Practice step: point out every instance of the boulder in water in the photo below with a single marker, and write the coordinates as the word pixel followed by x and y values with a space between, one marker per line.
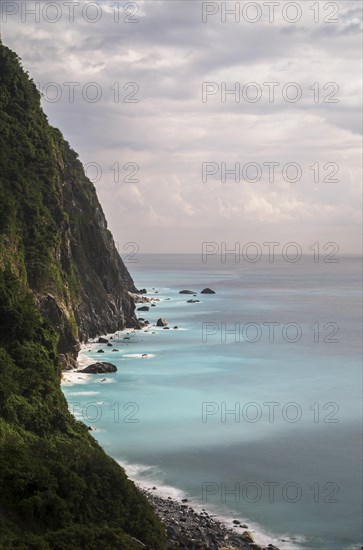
pixel 99 368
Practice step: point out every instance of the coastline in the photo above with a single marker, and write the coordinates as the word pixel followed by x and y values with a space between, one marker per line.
pixel 188 523
pixel 73 377
pixel 188 528
pixel 273 532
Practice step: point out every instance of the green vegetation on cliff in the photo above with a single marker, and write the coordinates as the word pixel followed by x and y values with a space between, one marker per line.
pixel 53 233
pixel 58 489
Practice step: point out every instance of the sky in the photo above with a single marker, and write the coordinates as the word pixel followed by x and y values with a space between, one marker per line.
pixel 200 124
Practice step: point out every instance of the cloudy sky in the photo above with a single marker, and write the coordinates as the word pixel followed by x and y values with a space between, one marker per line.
pixel 167 98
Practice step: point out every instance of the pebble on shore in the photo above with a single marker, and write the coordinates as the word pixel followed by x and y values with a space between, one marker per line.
pixel 192 530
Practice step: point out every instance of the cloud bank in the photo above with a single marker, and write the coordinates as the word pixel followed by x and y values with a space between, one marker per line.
pixel 198 124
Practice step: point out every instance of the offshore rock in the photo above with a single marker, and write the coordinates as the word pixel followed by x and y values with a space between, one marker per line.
pixel 99 368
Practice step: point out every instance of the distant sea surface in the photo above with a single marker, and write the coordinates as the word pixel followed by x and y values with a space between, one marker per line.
pixel 262 423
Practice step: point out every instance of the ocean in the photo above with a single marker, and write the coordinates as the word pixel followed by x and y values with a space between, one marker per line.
pixel 252 407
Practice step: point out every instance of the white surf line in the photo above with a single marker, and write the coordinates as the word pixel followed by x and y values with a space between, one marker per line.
pixel 159 488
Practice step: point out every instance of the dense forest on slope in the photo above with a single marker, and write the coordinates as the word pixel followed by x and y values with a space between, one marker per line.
pixel 61 280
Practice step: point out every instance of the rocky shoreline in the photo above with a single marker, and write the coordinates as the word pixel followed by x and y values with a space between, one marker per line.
pixel 191 530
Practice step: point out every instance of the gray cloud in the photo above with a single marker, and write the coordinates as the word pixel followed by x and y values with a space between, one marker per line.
pixel 170 132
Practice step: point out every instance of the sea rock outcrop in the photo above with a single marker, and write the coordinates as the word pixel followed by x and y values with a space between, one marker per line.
pixel 99 368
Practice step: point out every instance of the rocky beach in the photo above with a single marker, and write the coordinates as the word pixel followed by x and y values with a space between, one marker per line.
pixel 189 529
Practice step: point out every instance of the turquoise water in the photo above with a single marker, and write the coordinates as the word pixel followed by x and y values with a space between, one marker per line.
pixel 254 425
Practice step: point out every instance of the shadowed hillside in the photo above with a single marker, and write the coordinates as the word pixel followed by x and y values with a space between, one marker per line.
pixel 61 280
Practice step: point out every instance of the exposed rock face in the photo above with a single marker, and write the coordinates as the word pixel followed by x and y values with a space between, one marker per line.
pixel 187 292
pixel 104 303
pixel 161 322
pixel 208 291
pixel 68 344
pixel 99 368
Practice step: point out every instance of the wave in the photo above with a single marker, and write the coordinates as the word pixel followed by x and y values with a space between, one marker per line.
pixel 151 478
pixel 75 393
pixel 140 355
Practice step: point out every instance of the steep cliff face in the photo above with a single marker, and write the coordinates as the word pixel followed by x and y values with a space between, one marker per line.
pixel 61 280
pixel 103 302
pixel 53 230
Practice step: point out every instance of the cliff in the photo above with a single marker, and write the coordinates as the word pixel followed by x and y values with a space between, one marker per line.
pixel 53 232
pixel 61 281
